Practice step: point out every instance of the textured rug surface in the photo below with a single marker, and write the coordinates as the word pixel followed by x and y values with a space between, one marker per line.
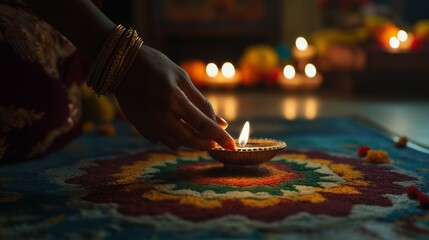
pixel 123 187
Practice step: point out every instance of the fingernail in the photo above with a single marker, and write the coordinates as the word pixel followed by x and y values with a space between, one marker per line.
pixel 221 121
pixel 230 146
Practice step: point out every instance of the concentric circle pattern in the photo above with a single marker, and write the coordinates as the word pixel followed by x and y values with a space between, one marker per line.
pixel 193 187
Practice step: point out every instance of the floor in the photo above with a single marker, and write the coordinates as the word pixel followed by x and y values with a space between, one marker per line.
pixel 401 116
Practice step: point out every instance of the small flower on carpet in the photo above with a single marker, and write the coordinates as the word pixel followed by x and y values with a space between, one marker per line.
pixel 363 151
pixel 401 142
pixel 423 200
pixel 413 192
pixel 376 156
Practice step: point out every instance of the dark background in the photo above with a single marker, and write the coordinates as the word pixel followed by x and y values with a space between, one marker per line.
pixel 226 39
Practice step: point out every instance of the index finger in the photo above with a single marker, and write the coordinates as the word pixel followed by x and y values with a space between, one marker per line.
pixel 198 99
pixel 203 124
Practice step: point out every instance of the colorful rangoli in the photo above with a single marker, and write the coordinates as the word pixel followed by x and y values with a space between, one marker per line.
pixel 191 187
pixel 123 187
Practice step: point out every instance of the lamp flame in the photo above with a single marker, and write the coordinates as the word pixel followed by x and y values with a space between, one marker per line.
pixel 289 72
pixel 244 135
pixel 301 43
pixel 310 70
pixel 228 70
pixel 394 42
pixel 402 35
pixel 212 70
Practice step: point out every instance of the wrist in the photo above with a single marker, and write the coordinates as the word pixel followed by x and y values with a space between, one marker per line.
pixel 114 60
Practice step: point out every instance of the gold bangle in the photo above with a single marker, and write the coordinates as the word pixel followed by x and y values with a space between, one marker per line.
pixel 127 60
pixel 127 66
pixel 114 60
pixel 104 54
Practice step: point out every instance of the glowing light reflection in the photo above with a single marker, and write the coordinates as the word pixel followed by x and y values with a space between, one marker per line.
pixel 290 108
pixel 310 108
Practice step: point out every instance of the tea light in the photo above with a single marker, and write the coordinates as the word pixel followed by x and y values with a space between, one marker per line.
pixel 290 79
pixel 249 153
pixel 405 40
pixel 302 51
pixel 312 78
pixel 394 44
pixel 227 78
pixel 402 35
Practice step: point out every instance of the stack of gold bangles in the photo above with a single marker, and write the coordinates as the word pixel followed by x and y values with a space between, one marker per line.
pixel 114 60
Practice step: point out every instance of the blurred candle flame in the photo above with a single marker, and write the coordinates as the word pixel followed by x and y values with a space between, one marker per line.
pixel 301 43
pixel 244 135
pixel 289 72
pixel 212 70
pixel 228 70
pixel 394 42
pixel 402 36
pixel 310 70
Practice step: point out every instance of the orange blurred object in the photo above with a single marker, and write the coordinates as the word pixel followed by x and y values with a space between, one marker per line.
pixel 386 33
pixel 196 70
pixel 421 29
pixel 250 74
pixel 376 156
pixel 381 29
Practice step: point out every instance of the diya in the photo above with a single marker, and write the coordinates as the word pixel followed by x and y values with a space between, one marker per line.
pixel 249 153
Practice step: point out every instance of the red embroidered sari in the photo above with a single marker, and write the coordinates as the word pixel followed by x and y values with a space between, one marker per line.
pixel 41 73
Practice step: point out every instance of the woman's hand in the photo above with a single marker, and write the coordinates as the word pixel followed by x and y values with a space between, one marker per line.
pixel 156 95
pixel 159 99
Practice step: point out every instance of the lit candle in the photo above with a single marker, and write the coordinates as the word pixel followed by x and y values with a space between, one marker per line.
pixel 402 35
pixel 228 70
pixel 290 79
pixel 405 39
pixel 301 44
pixel 302 51
pixel 250 151
pixel 312 78
pixel 310 70
pixel 212 70
pixel 394 43
pixel 289 72
pixel 244 135
pixel 228 77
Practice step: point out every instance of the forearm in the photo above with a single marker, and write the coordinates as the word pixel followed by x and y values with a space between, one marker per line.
pixel 78 20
